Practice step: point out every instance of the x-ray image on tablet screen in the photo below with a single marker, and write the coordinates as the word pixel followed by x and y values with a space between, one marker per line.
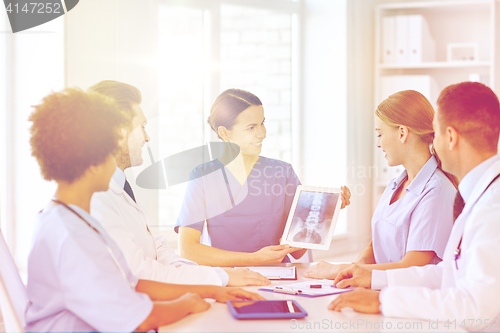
pixel 312 218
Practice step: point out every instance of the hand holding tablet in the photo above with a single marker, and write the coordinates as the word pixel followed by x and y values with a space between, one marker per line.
pixel 312 218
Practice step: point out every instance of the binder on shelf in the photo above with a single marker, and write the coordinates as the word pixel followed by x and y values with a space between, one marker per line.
pixel 482 78
pixel 422 47
pixel 402 44
pixel 407 39
pixel 389 40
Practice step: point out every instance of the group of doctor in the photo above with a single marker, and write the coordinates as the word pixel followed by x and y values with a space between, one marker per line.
pixel 93 252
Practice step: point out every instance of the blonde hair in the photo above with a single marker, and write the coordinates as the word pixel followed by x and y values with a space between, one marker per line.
pixel 411 109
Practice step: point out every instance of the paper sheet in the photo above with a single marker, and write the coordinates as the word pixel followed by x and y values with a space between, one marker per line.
pixel 275 273
pixel 308 288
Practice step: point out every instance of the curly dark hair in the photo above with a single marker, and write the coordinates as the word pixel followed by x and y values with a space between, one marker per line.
pixel 73 130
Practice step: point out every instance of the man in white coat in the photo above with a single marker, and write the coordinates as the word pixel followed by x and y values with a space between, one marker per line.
pixel 149 256
pixel 463 291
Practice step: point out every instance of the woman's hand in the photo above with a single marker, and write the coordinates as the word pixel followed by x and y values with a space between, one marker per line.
pixel 223 294
pixel 345 195
pixel 194 303
pixel 245 277
pixel 324 270
pixel 273 254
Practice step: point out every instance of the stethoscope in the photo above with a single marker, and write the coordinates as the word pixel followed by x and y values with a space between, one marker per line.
pixel 458 250
pixel 115 260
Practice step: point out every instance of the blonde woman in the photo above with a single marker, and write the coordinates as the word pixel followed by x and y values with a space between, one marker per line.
pixel 414 217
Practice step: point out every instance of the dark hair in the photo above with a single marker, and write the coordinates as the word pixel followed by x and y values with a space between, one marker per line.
pixel 412 109
pixel 124 94
pixel 73 130
pixel 474 111
pixel 228 106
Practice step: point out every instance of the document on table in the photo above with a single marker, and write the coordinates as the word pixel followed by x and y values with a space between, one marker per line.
pixel 312 288
pixel 276 273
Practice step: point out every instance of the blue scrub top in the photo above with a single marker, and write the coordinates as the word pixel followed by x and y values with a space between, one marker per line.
pixel 243 218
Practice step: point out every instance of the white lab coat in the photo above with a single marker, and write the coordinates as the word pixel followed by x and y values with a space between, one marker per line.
pixel 126 221
pixel 74 285
pixel 471 292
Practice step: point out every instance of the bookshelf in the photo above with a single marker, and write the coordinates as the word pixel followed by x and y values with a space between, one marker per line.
pixel 457 21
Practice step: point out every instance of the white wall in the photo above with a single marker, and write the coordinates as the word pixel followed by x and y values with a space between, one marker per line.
pixel 34 67
pixel 324 103
pixel 117 40
pixel 324 88
pixel 360 66
pixel 358 123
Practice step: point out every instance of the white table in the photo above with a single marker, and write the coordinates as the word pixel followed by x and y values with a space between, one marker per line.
pixel 319 318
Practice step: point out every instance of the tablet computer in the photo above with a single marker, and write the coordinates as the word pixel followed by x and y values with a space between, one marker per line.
pixel 312 218
pixel 266 309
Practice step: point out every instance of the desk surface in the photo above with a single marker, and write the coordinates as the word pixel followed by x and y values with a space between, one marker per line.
pixel 319 318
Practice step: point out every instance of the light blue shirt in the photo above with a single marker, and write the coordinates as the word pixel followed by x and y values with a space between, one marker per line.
pixel 419 221
pixel 73 282
pixel 119 177
pixel 471 179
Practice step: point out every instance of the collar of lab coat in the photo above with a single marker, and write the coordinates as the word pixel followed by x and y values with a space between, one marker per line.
pixel 117 188
pixel 476 175
pixel 480 184
pixel 119 177
pixel 418 184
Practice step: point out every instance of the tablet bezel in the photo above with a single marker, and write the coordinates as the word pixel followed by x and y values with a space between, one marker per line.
pixel 265 315
pixel 329 237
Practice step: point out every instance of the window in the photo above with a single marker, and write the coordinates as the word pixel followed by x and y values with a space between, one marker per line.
pixel 205 50
pixel 182 74
pixel 3 124
pixel 32 66
pixel 291 54
pixel 256 55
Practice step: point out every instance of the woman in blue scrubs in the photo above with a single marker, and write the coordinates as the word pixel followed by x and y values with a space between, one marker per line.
pixel 246 202
pixel 413 219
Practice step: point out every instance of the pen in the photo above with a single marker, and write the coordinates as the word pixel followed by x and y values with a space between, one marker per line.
pixel 285 291
pixel 317 286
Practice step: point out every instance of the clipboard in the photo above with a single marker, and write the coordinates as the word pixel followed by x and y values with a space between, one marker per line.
pixel 276 272
pixel 313 288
